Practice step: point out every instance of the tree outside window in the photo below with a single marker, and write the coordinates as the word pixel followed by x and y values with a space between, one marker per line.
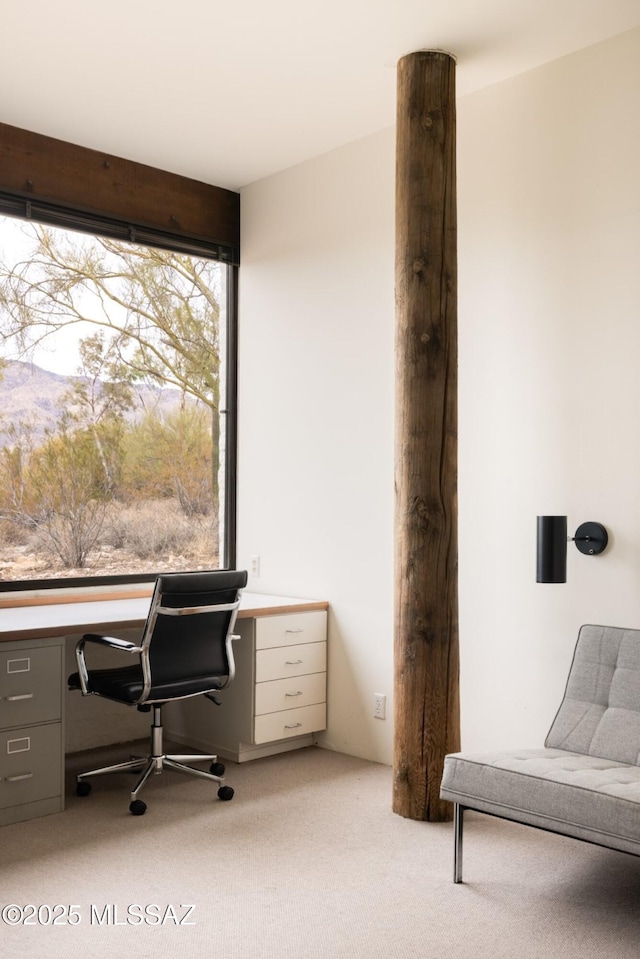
pixel 110 383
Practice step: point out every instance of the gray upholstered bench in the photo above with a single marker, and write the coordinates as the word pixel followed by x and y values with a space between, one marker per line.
pixel 585 782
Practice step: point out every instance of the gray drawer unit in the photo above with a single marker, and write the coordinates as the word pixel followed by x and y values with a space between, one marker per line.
pixel 30 767
pixel 30 686
pixel 31 729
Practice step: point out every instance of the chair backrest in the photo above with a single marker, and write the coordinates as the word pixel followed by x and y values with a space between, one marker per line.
pixel 600 713
pixel 188 630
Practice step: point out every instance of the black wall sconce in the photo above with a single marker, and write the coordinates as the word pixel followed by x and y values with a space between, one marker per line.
pixel 590 538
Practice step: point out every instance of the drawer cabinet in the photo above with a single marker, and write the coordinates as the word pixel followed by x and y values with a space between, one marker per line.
pixel 279 694
pixel 290 676
pixel 31 740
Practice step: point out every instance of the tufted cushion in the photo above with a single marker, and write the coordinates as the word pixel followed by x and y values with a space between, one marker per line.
pixel 581 796
pixel 600 712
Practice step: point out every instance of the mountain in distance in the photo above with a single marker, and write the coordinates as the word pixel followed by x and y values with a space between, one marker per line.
pixel 36 396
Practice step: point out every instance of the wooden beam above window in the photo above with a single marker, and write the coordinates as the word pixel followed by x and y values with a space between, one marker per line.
pixel 43 169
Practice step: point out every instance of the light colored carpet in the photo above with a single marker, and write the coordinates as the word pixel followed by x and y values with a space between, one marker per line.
pixel 306 862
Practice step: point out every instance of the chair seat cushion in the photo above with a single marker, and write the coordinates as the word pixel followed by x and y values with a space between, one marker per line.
pixel 586 797
pixel 125 685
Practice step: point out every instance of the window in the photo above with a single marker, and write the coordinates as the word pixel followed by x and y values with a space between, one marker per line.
pixel 117 377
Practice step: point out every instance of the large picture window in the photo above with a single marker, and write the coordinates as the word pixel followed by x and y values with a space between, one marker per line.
pixel 114 407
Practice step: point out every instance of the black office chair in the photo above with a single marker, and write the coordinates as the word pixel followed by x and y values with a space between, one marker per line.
pixel 185 651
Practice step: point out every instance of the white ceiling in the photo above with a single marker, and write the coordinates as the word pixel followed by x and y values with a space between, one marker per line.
pixel 230 92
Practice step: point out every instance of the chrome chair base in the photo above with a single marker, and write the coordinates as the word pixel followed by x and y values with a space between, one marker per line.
pixel 154 764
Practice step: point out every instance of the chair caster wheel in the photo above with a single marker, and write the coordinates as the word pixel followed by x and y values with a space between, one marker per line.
pixel 217 769
pixel 83 788
pixel 225 793
pixel 137 807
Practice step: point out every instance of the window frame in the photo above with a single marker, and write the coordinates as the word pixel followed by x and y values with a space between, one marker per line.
pixel 49 181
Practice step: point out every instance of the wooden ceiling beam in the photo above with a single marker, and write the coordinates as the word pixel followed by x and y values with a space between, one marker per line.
pixel 42 168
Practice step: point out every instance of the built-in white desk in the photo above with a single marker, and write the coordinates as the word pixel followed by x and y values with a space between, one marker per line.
pixel 65 618
pixel 276 702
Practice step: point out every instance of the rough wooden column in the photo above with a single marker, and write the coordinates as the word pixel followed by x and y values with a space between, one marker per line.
pixel 427 723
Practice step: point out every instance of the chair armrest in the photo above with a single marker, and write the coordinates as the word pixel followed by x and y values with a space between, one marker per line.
pixel 112 641
pixel 123 645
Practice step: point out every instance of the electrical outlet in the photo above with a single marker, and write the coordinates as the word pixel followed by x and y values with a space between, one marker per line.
pixel 379 706
pixel 255 565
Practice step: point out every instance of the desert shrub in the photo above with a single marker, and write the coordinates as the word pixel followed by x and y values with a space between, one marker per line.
pixel 159 530
pixel 13 534
pixel 56 492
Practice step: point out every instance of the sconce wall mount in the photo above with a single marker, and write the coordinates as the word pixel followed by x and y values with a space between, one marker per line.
pixel 591 538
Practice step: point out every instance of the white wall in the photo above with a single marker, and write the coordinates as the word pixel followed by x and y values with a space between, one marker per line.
pixel 549 253
pixel 316 413
pixel 549 263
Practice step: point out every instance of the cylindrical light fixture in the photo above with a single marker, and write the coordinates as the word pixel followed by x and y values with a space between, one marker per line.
pixel 552 549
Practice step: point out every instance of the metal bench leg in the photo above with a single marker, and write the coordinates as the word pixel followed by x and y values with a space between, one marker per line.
pixel 458 821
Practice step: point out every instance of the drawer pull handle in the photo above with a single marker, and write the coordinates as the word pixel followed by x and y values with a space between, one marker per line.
pixel 292 725
pixel 293 662
pixel 299 629
pixel 299 693
pixel 17 779
pixel 14 699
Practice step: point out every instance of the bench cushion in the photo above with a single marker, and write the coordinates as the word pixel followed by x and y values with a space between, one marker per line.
pixel 587 797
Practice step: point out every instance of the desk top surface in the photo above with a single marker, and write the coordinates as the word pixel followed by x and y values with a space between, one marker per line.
pixel 61 619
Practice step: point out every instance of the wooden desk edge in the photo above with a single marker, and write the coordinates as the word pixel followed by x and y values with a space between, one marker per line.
pixel 75 629
pixel 304 606
pixel 69 599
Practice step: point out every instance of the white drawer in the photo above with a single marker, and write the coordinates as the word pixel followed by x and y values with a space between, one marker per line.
pixel 290 693
pixel 286 661
pixel 291 629
pixel 290 722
